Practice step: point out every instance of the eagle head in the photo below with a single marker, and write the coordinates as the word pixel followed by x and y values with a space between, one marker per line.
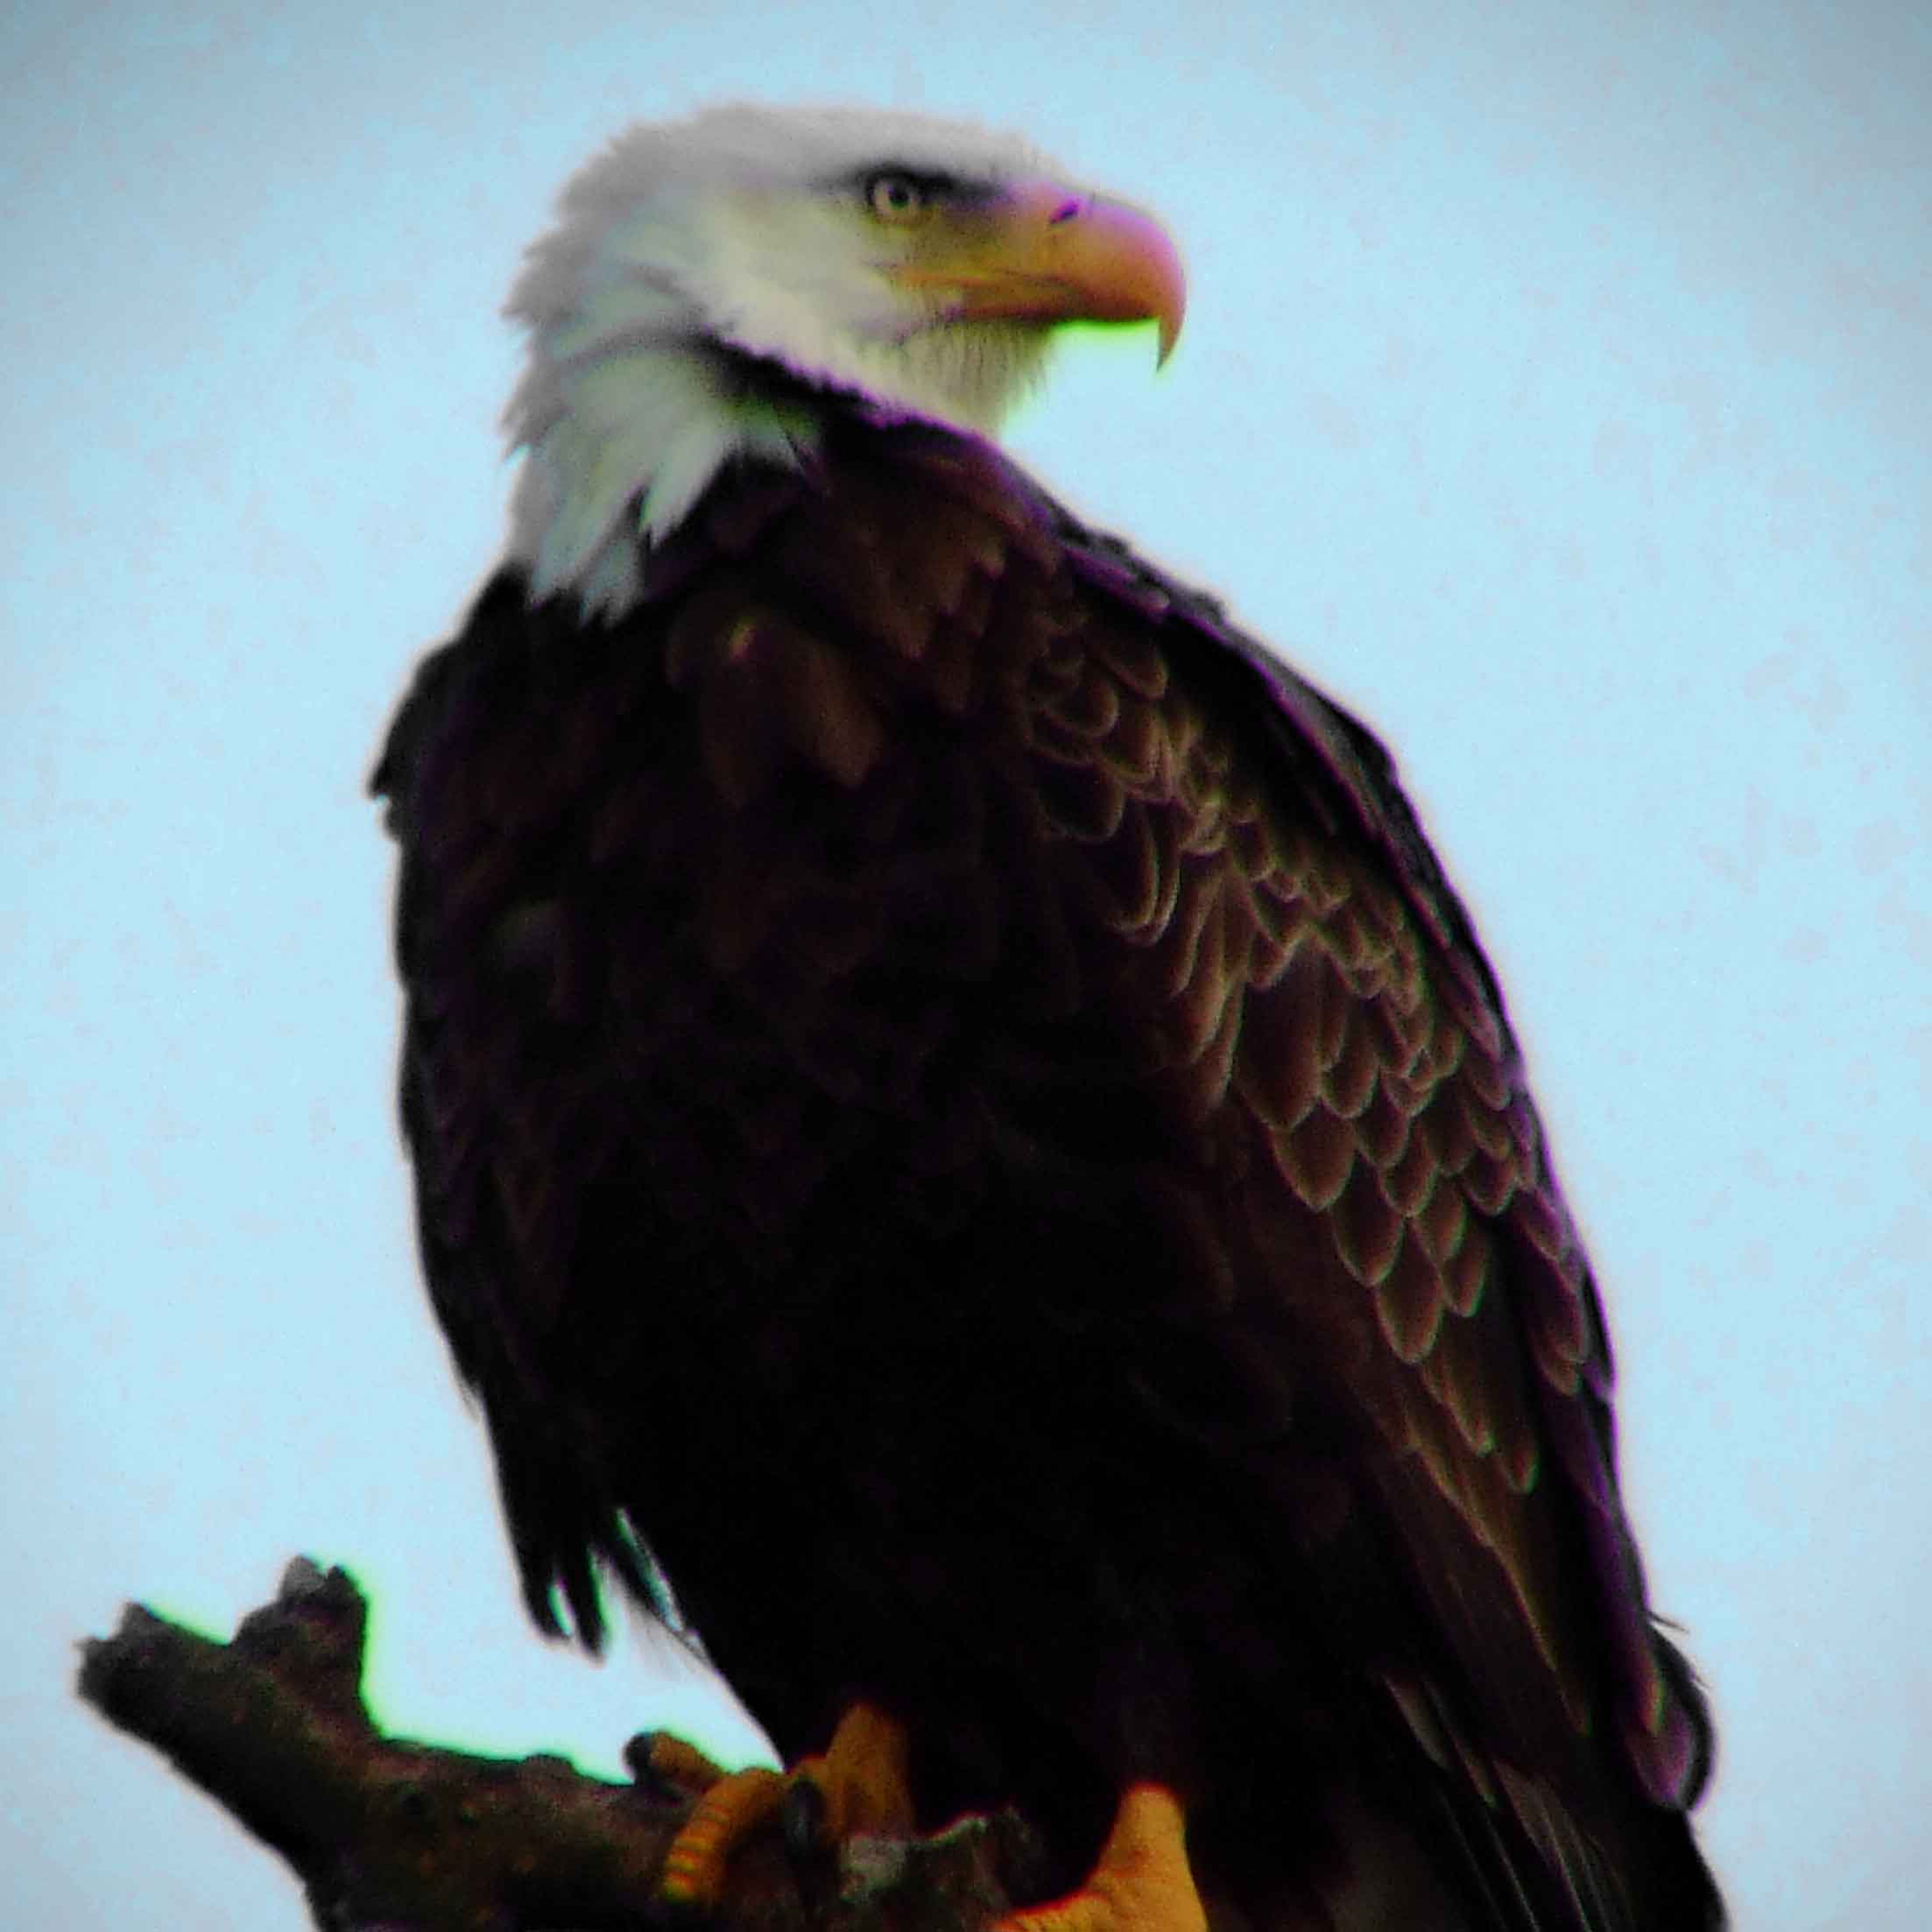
pixel 713 285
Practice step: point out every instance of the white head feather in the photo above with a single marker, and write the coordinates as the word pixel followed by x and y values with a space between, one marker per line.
pixel 681 251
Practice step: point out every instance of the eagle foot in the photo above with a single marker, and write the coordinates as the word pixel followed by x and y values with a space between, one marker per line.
pixel 1141 1882
pixel 670 1767
pixel 857 1785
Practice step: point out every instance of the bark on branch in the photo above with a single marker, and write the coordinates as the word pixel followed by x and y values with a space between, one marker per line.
pixel 389 1834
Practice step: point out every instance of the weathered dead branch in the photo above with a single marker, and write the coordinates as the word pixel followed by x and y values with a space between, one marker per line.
pixel 386 1833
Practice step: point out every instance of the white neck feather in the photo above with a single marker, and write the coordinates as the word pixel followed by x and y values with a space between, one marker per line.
pixel 620 446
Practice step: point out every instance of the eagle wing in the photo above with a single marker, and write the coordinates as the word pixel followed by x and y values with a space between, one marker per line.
pixel 1328 985
pixel 1409 1243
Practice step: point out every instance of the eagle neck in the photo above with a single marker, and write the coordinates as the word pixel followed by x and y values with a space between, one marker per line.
pixel 620 444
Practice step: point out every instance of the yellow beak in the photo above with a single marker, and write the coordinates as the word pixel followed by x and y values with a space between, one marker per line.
pixel 1044 254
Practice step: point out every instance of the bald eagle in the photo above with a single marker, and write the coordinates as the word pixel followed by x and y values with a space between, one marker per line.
pixel 958 1120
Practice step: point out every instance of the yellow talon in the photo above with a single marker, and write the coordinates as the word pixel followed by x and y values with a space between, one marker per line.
pixel 675 1761
pixel 860 1779
pixel 1141 1881
pixel 863 1778
pixel 723 1818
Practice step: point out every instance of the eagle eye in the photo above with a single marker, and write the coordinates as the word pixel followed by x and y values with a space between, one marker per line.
pixel 894 195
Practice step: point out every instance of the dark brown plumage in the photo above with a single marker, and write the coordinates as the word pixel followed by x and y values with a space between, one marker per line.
pixel 953 1104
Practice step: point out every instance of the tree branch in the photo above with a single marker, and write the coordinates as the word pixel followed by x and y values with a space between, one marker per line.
pixel 392 1835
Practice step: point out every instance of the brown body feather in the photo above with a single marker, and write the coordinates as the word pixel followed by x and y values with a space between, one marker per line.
pixel 952 1102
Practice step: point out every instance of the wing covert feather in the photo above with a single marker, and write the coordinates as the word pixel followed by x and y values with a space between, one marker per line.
pixel 1373 1059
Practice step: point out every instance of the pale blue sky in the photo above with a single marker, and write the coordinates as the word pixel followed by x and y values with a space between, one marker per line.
pixel 1556 388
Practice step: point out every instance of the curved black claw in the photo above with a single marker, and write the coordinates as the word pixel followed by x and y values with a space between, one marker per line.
pixel 666 1766
pixel 803 1818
